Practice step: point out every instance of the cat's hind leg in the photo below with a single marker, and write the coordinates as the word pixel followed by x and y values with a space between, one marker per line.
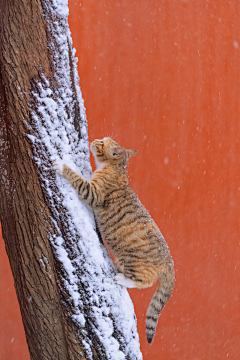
pixel 128 283
pixel 122 280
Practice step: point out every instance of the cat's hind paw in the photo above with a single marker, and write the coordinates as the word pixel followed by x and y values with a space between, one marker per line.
pixel 122 280
pixel 58 167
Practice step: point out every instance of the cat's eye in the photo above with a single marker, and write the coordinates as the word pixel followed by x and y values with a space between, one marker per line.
pixel 101 141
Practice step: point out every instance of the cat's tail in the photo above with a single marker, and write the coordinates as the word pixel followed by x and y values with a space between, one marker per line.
pixel 159 300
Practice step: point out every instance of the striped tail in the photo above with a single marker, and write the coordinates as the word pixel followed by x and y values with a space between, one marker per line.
pixel 159 300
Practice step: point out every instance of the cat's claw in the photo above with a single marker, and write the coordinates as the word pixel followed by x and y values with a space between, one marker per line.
pixel 58 167
pixel 122 280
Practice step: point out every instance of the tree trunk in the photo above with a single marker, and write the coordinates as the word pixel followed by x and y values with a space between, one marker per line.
pixel 70 306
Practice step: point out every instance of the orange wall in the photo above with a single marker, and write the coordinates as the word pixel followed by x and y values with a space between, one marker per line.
pixel 163 76
pixel 13 344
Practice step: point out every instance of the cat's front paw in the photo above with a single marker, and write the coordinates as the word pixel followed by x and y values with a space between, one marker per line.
pixel 122 280
pixel 58 167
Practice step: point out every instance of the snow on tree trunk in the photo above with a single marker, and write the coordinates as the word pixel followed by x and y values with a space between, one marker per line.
pixel 70 304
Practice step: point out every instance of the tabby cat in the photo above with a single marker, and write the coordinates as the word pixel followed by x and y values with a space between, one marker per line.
pixel 138 246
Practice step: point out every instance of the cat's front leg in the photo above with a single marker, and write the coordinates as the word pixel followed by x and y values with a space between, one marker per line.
pixel 122 280
pixel 58 167
pixel 74 178
pixel 84 189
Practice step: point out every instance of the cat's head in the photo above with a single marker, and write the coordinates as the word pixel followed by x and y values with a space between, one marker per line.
pixel 109 151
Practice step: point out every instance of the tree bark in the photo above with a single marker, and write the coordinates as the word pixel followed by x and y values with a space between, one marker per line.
pixel 57 300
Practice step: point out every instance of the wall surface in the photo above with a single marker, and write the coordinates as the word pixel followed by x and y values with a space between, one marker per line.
pixel 13 345
pixel 163 77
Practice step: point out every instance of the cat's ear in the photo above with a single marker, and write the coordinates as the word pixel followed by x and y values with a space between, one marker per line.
pixel 131 153
pixel 118 152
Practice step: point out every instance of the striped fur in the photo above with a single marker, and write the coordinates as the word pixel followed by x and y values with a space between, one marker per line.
pixel 139 248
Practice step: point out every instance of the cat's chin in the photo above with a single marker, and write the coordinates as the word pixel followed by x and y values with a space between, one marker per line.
pixel 99 165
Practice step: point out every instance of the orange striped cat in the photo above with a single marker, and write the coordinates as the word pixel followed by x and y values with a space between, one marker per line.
pixel 140 250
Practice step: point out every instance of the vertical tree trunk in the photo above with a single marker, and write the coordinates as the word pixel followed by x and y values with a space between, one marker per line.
pixel 71 308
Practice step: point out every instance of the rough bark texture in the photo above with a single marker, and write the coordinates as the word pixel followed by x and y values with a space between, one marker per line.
pixel 24 215
pixel 29 216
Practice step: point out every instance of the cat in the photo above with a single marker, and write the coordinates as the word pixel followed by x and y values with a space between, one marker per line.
pixel 138 246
